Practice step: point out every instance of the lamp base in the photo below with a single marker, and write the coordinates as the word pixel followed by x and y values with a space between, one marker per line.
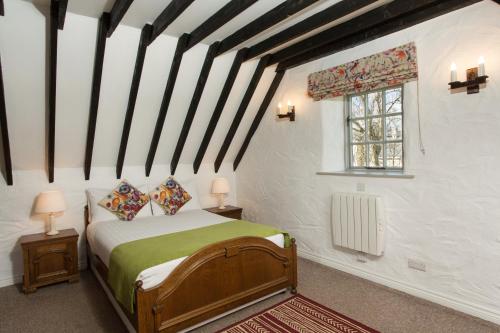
pixel 221 201
pixel 53 231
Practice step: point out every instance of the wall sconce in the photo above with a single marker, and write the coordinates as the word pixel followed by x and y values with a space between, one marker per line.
pixel 475 77
pixel 290 114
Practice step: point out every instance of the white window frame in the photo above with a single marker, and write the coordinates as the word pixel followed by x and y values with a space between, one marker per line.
pixel 366 142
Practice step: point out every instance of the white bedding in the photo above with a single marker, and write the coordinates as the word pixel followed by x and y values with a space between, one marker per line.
pixel 103 237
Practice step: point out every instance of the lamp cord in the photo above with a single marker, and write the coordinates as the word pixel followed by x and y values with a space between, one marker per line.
pixel 420 140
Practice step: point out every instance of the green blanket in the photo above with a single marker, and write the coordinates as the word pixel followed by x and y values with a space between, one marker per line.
pixel 129 259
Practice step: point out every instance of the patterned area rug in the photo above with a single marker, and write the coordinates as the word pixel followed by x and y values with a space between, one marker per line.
pixel 298 314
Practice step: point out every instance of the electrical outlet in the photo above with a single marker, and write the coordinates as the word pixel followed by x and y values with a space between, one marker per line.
pixel 416 264
pixel 360 187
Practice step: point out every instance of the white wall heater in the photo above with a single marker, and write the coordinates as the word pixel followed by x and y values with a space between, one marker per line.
pixel 358 222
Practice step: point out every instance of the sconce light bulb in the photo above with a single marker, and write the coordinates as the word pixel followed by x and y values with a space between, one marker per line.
pixel 279 105
pixel 453 66
pixel 481 60
pixel 289 103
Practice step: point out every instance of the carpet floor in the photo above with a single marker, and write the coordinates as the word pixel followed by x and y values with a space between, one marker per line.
pixel 83 307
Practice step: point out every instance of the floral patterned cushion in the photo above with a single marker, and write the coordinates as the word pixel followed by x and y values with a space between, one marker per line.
pixel 125 201
pixel 170 196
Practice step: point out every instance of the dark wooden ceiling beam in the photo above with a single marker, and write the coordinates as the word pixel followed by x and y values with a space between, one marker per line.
pixel 315 21
pixel 272 17
pixel 241 110
pixel 61 13
pixel 193 106
pixel 119 9
pixel 107 24
pixel 407 20
pixel 221 17
pixel 102 32
pixel 221 102
pixel 4 132
pixel 57 13
pixel 169 15
pixel 134 89
pixel 366 21
pixel 258 117
pixel 148 34
pixel 167 95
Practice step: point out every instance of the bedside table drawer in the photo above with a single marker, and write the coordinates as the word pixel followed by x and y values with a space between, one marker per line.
pixel 49 259
pixel 52 261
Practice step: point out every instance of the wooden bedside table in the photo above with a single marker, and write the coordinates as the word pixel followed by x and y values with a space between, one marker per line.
pixel 49 259
pixel 229 211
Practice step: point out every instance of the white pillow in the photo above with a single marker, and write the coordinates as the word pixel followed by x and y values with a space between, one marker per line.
pixel 100 214
pixel 190 187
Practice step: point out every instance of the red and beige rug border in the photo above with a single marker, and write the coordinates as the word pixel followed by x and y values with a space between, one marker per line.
pixel 354 322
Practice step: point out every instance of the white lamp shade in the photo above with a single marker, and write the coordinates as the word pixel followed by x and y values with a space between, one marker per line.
pixel 50 202
pixel 220 186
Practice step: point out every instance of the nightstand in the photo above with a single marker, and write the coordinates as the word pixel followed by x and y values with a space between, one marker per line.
pixel 229 211
pixel 49 259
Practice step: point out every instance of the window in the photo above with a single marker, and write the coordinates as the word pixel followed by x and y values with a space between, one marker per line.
pixel 375 127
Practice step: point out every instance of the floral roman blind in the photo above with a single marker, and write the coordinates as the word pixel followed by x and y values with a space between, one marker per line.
pixel 388 68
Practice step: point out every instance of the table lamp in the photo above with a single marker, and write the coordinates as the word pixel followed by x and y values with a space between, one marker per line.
pixel 50 202
pixel 220 186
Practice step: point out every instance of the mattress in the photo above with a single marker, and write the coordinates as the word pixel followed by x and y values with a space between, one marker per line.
pixel 103 237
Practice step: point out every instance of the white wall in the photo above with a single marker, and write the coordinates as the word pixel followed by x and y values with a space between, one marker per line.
pixel 17 219
pixel 23 51
pixel 447 216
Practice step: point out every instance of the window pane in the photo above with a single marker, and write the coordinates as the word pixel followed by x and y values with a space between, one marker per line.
pixel 376 156
pixel 375 129
pixel 358 156
pixel 394 155
pixel 358 106
pixel 394 128
pixel 393 100
pixel 358 130
pixel 375 103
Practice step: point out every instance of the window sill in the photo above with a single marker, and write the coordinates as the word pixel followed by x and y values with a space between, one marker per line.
pixel 372 174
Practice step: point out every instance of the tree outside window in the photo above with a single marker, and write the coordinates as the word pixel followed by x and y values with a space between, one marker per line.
pixel 375 125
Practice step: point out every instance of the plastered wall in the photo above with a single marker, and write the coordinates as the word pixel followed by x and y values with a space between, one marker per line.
pixel 448 216
pixel 17 217
pixel 23 50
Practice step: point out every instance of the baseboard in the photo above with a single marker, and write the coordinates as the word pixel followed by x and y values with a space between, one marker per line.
pixel 432 296
pixel 9 281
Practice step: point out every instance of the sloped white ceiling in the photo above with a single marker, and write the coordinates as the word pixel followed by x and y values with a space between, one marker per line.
pixel 23 50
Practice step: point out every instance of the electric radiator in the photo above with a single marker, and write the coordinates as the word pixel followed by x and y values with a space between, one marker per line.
pixel 358 222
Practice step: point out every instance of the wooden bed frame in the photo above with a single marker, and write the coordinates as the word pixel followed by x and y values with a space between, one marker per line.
pixel 214 280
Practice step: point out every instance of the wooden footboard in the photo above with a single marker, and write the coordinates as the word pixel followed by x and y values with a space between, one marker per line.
pixel 214 280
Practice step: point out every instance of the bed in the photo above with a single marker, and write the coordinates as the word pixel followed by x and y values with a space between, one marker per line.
pixel 189 290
